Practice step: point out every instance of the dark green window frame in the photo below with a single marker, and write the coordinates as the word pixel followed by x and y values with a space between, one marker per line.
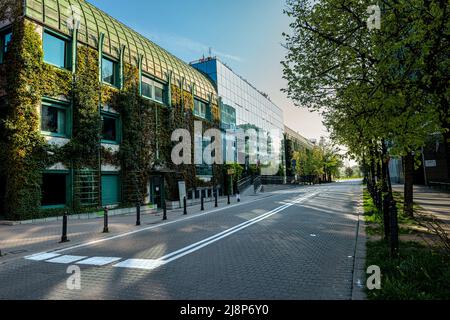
pixel 68 195
pixel 115 81
pixel 118 127
pixel 207 115
pixel 67 48
pixel 153 90
pixel 60 105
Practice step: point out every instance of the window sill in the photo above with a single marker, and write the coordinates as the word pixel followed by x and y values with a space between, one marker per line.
pixel 57 67
pixel 153 100
pixel 116 143
pixel 55 135
pixel 55 206
pixel 112 86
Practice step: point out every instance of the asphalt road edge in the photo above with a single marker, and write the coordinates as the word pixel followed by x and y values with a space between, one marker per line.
pixel 359 266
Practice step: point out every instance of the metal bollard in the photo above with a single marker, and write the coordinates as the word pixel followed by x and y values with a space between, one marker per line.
pixel 202 203
pixel 138 214
pixel 238 196
pixel 105 221
pixel 64 229
pixel 394 229
pixel 228 196
pixel 164 211
pixel 184 206
pixel 215 199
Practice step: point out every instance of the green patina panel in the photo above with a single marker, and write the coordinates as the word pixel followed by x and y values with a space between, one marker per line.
pixel 156 61
pixel 110 189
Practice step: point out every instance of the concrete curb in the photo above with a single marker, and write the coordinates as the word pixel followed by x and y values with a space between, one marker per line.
pixel 359 267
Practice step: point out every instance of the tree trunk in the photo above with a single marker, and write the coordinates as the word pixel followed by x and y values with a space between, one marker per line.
pixel 387 193
pixel 379 191
pixel 409 181
pixel 446 136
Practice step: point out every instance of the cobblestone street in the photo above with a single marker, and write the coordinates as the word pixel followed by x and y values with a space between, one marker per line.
pixel 297 243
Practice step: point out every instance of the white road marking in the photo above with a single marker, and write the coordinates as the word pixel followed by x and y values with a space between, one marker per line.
pixel 151 264
pixel 42 256
pixel 66 259
pixel 146 264
pixel 86 244
pixel 98 261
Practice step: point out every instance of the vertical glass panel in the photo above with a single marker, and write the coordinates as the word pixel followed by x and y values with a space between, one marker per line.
pixel 147 88
pixel 53 120
pixel 108 71
pixel 159 93
pixel 109 129
pixel 54 50
pixel 6 41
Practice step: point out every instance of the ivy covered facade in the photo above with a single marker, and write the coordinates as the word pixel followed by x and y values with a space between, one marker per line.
pixel 87 113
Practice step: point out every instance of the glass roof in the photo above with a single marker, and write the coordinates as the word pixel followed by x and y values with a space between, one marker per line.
pixel 156 61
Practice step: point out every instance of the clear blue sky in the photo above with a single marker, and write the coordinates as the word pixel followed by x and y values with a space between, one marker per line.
pixel 245 34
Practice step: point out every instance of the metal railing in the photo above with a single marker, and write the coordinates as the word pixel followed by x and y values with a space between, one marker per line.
pixel 244 183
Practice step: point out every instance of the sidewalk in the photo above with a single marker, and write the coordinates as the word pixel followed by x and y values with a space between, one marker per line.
pixel 432 201
pixel 24 239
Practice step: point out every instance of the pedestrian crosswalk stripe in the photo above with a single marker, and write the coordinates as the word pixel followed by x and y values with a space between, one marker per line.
pixel 66 259
pixel 146 264
pixel 98 261
pixel 42 256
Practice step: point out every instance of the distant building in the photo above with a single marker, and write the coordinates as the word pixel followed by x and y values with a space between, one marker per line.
pixel 294 141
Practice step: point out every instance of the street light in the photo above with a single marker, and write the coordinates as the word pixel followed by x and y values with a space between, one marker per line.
pixel 73 24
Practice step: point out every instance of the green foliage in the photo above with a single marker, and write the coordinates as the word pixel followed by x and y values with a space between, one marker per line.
pixel 322 161
pixel 418 274
pixel 83 148
pixel 24 147
pixel 370 85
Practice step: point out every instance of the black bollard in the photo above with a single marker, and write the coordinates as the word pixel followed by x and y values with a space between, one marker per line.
pixel 228 196
pixel 64 229
pixel 184 206
pixel 105 221
pixel 138 214
pixel 238 196
pixel 215 199
pixel 202 201
pixel 394 229
pixel 164 211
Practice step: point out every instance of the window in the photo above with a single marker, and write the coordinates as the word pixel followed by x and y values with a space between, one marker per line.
pixel 55 119
pixel 56 50
pixel 152 89
pixel 110 128
pixel 109 71
pixel 54 189
pixel 200 108
pixel 5 39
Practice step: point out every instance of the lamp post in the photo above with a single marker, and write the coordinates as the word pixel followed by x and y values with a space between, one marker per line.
pixel 73 24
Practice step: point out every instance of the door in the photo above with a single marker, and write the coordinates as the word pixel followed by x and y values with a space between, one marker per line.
pixel 110 189
pixel 155 190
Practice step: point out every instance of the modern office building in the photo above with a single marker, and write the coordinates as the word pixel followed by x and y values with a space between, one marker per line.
pixel 89 106
pixel 253 108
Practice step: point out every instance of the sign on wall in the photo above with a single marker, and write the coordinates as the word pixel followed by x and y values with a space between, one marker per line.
pixel 430 163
